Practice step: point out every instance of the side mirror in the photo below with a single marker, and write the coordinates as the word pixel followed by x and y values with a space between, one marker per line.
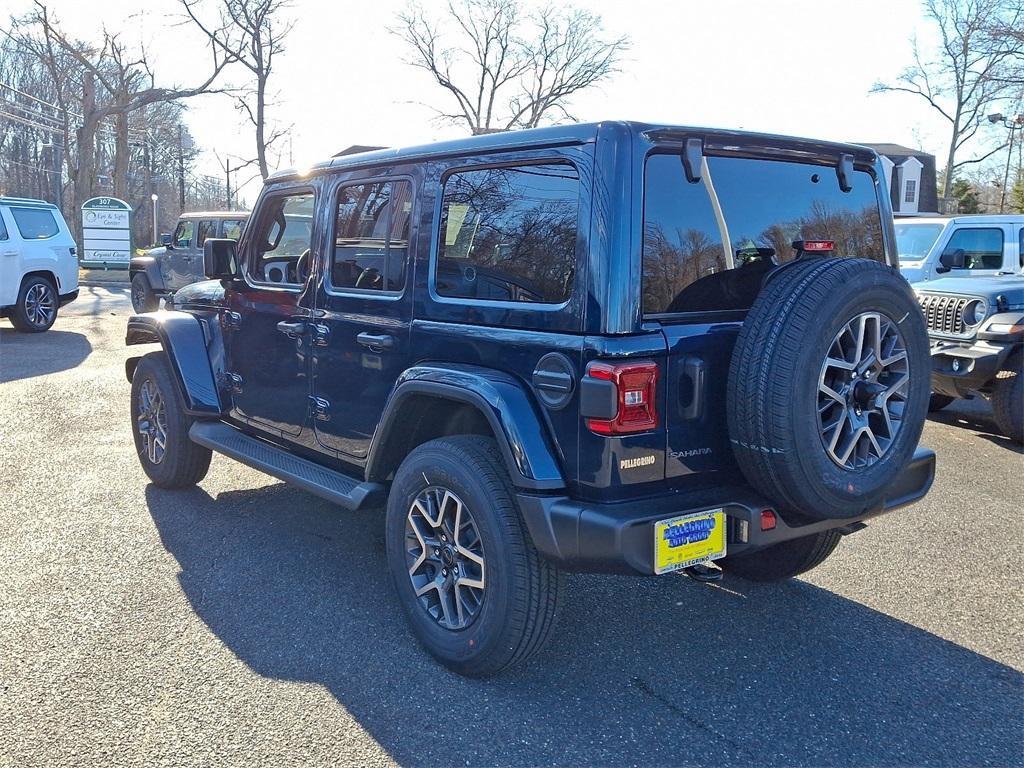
pixel 166 239
pixel 952 260
pixel 220 258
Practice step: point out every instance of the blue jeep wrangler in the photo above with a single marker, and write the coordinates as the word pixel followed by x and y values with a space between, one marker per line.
pixel 617 348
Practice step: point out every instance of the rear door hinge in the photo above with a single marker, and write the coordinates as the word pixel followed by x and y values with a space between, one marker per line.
pixel 233 382
pixel 320 408
pixel 232 320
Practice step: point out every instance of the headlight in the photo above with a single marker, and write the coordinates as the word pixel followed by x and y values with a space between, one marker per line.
pixel 975 312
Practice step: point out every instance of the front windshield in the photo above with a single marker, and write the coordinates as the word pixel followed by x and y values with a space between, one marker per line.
pixel 913 241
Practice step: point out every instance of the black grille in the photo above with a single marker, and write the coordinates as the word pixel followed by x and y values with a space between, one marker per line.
pixel 944 314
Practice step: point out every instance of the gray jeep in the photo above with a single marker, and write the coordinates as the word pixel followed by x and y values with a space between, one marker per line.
pixel 179 260
pixel 976 330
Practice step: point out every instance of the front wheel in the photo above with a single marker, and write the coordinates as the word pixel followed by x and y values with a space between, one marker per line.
pixel 143 297
pixel 160 427
pixel 1008 398
pixel 476 593
pixel 785 560
pixel 36 309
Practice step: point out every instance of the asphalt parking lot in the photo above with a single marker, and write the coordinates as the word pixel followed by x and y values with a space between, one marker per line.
pixel 248 623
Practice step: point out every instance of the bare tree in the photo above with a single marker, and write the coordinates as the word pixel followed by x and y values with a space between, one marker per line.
pixel 114 84
pixel 971 70
pixel 504 69
pixel 252 33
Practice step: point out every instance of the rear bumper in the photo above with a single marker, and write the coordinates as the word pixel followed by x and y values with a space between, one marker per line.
pixel 619 538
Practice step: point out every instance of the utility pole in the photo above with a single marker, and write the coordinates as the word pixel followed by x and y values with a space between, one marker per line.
pixel 1012 125
pixel 147 161
pixel 228 161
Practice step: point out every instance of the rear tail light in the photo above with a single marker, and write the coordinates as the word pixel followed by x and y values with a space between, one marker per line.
pixel 814 246
pixel 635 387
pixel 767 520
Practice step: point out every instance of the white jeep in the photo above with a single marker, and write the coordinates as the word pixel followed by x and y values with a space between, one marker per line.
pixel 38 263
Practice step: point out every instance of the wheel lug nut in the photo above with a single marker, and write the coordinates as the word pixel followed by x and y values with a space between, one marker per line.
pixel 437 551
pixel 444 571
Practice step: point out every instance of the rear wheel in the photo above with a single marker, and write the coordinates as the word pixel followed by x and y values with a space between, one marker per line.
pixel 143 297
pixel 476 593
pixel 160 427
pixel 938 402
pixel 828 386
pixel 785 560
pixel 36 309
pixel 1008 398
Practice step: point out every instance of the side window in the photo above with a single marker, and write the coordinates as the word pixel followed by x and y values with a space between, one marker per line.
pixel 206 229
pixel 280 249
pixel 233 228
pixel 4 235
pixel 509 234
pixel 983 248
pixel 35 223
pixel 371 236
pixel 183 234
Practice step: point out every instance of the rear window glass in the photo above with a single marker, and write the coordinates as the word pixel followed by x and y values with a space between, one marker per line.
pixel 35 223
pixel 3 229
pixel 765 206
pixel 233 228
pixel 509 234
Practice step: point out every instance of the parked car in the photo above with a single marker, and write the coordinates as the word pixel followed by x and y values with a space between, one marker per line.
pixel 179 262
pixel 38 263
pixel 976 327
pixel 562 349
pixel 961 246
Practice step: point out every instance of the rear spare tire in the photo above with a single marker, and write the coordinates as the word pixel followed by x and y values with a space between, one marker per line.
pixel 828 386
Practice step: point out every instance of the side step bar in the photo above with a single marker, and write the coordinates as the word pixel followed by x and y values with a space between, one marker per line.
pixel 328 484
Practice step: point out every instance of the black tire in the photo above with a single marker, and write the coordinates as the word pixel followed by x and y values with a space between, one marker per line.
pixel 182 462
pixel 783 561
pixel 773 387
pixel 37 305
pixel 938 402
pixel 143 297
pixel 521 591
pixel 1008 398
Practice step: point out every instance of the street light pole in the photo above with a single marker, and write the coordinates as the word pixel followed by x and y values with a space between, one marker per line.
pixel 154 197
pixel 1015 125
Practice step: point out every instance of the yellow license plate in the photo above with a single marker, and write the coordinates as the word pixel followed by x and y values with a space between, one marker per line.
pixel 680 542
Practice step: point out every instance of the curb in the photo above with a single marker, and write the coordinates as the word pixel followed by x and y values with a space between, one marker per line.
pixel 103 284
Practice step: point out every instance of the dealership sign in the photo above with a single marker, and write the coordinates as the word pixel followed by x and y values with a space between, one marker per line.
pixel 106 232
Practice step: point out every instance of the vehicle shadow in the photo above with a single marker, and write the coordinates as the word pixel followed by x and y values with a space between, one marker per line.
pixel 638 671
pixel 974 415
pixel 24 355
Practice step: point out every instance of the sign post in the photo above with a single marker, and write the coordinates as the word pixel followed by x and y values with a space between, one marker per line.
pixel 107 233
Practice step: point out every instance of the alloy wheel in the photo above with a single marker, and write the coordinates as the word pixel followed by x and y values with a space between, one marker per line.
pixel 40 304
pixel 445 556
pixel 862 390
pixel 152 422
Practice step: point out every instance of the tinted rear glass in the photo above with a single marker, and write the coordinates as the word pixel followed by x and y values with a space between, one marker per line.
pixel 766 205
pixel 35 223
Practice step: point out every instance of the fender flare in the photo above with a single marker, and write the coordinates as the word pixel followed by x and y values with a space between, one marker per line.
pixel 531 461
pixel 148 266
pixel 182 337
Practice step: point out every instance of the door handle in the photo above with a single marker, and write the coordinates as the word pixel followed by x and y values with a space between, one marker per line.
pixel 9 253
pixel 292 330
pixel 376 341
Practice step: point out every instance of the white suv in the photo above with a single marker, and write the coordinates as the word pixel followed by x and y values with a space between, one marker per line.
pixel 959 246
pixel 38 263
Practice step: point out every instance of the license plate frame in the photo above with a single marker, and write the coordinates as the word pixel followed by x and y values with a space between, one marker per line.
pixel 686 540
